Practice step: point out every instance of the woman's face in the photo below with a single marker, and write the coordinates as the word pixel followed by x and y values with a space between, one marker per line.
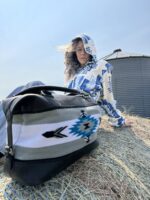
pixel 82 56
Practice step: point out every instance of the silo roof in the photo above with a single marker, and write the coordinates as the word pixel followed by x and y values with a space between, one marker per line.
pixel 118 53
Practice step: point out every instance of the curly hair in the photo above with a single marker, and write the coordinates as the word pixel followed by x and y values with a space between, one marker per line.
pixel 71 62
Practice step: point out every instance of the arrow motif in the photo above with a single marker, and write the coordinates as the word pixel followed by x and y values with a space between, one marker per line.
pixel 55 133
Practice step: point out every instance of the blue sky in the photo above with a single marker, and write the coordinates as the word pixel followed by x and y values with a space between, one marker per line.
pixel 31 30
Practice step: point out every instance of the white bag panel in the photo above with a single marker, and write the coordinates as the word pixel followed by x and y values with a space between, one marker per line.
pixel 31 135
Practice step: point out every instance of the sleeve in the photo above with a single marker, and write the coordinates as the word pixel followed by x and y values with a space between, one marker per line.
pixel 107 101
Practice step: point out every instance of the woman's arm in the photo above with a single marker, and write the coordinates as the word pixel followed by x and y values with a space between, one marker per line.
pixel 107 101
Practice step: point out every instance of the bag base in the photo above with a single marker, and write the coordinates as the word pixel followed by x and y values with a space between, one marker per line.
pixel 34 172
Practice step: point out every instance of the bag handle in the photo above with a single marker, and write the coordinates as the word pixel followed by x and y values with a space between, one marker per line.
pixel 39 89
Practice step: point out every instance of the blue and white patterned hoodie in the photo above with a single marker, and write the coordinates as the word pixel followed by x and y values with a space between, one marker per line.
pixel 95 79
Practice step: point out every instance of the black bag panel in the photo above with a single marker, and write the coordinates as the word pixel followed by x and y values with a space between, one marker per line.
pixel 47 98
pixel 32 103
pixel 37 103
pixel 38 171
pixel 74 101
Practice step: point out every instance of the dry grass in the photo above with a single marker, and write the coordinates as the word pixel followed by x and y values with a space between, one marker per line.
pixel 118 169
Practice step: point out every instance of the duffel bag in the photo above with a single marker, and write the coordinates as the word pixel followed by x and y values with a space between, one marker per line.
pixel 48 128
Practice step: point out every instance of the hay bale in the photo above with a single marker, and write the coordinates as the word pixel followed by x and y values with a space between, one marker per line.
pixel 118 169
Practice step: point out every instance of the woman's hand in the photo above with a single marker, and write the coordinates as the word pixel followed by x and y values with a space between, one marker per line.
pixel 127 124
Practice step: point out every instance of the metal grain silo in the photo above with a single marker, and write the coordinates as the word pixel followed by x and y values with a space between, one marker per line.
pixel 131 82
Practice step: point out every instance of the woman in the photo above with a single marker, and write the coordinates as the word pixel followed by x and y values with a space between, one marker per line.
pixel 83 72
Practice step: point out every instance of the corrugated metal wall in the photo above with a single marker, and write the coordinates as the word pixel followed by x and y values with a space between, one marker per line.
pixel 131 84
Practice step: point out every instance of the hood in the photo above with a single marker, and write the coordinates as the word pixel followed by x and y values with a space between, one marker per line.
pixel 89 45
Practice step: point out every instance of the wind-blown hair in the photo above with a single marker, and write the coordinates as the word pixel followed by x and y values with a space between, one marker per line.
pixel 72 64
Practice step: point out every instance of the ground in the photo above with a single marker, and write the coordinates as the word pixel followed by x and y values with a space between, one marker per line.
pixel 118 169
